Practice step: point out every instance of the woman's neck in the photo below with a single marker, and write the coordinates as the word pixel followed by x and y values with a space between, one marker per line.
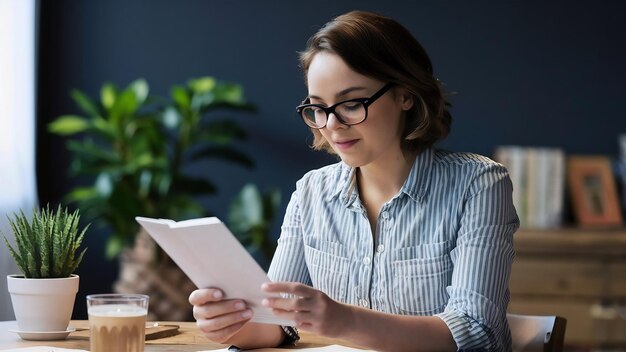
pixel 379 182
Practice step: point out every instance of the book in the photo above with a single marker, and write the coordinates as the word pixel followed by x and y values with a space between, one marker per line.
pixel 207 251
pixel 538 178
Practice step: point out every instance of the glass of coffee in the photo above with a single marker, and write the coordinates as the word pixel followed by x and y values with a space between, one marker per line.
pixel 117 322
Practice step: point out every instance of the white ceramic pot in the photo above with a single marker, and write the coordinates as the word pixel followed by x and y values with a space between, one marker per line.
pixel 42 304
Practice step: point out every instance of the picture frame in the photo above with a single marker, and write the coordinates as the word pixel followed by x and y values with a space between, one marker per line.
pixel 593 191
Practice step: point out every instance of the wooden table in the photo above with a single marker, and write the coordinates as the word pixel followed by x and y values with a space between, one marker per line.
pixel 190 339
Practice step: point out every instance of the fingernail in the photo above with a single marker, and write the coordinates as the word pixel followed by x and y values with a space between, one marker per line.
pixel 264 286
pixel 240 306
pixel 217 294
pixel 247 313
pixel 265 302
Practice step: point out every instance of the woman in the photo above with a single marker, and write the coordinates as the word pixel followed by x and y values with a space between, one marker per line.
pixel 398 247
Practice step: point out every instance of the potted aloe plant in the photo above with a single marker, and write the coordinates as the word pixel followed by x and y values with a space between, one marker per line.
pixel 46 251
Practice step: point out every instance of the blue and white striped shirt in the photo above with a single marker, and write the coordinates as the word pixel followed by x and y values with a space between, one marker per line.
pixel 443 244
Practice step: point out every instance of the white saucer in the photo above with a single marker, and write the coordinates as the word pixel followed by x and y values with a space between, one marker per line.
pixel 43 335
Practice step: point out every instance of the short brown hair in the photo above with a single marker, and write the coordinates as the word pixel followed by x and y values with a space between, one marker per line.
pixel 381 48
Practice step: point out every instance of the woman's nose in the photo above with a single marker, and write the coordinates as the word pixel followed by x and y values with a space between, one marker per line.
pixel 333 122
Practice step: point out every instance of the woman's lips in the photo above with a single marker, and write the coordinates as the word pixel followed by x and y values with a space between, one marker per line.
pixel 343 145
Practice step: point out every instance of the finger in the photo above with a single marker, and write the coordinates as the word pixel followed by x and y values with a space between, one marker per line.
pixel 210 310
pixel 294 288
pixel 202 296
pixel 300 319
pixel 221 336
pixel 215 324
pixel 298 304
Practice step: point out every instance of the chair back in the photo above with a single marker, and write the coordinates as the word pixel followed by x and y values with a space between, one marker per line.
pixel 537 332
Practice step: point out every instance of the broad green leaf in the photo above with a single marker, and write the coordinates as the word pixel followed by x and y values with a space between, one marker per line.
pixel 104 185
pixel 221 132
pixel 202 84
pixel 82 194
pixel 171 118
pixel 247 209
pixel 108 94
pixel 126 103
pixel 228 92
pixel 68 125
pixel 114 247
pixel 104 128
pixel 84 103
pixel 140 88
pixel 202 101
pixel 253 201
pixel 145 181
pixel 181 97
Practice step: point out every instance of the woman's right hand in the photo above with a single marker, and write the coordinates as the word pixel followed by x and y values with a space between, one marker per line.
pixel 217 318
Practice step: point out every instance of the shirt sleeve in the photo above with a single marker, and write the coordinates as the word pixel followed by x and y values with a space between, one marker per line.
pixel 482 258
pixel 288 263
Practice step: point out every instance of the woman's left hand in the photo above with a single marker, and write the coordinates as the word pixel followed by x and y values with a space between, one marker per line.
pixel 312 310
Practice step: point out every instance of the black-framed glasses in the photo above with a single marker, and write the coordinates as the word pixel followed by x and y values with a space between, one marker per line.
pixel 348 112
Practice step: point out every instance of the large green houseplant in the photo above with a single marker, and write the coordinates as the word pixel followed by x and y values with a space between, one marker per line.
pixel 141 151
pixel 47 252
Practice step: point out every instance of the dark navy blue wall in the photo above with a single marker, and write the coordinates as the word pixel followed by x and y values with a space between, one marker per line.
pixel 524 72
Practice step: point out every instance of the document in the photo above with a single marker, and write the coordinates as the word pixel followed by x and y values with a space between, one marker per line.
pixel 211 256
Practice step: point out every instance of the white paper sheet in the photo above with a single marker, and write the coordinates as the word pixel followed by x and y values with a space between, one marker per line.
pixel 211 256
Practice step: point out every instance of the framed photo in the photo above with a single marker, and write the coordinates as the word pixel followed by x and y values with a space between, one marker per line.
pixel 594 195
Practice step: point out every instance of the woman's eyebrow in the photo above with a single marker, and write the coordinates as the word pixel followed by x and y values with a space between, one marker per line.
pixel 340 94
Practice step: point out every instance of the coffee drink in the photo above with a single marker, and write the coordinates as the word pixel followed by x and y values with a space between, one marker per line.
pixel 117 322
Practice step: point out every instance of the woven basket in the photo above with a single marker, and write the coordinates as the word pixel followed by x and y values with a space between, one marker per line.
pixel 147 270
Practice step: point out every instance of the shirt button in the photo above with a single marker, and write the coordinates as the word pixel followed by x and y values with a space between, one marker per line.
pixel 380 248
pixel 364 303
pixel 385 215
pixel 366 261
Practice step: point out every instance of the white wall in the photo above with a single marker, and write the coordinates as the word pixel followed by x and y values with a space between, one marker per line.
pixel 17 125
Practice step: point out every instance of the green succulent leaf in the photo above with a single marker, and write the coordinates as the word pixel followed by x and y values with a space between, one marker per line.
pixel 46 242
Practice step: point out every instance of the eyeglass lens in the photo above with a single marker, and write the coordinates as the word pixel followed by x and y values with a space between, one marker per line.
pixel 350 112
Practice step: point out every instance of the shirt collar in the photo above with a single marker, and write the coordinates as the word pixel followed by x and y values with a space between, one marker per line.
pixel 415 186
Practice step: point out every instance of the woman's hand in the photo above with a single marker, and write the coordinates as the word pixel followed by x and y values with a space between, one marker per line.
pixel 218 319
pixel 312 310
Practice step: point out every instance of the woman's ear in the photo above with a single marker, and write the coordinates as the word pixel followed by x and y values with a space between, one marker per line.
pixel 405 99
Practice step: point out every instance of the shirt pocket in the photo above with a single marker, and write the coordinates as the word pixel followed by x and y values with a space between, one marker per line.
pixel 421 275
pixel 328 266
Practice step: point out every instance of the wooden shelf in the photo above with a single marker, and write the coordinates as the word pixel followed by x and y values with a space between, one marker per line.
pixel 571 241
pixel 575 273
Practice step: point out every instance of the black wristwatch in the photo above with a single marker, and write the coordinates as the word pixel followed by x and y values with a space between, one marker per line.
pixel 292 336
pixel 290 340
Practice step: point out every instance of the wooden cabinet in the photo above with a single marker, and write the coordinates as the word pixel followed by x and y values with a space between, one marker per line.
pixel 578 274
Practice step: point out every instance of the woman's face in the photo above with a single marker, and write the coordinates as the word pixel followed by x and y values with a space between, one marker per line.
pixel 375 140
